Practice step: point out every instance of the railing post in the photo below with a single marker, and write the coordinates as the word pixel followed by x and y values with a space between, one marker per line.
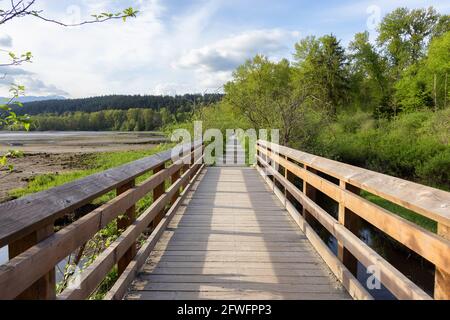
pixel 45 287
pixel 442 278
pixel 122 223
pixel 158 191
pixel 350 220
pixel 192 162
pixel 286 177
pixel 173 179
pixel 310 192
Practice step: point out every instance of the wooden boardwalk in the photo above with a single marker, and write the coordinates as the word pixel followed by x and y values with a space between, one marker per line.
pixel 232 239
pixel 225 232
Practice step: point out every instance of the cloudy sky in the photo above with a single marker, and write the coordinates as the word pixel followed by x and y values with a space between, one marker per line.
pixel 173 46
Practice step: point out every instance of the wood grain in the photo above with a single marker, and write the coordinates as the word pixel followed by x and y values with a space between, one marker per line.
pixel 233 245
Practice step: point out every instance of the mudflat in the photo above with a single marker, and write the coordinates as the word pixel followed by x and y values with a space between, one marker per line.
pixel 57 152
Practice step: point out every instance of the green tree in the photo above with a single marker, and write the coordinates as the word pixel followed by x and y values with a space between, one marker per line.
pixel 324 65
pixel 267 94
pixel 425 84
pixel 368 73
pixel 404 33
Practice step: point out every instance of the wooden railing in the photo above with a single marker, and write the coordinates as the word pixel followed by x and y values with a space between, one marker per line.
pixel 27 225
pixel 343 184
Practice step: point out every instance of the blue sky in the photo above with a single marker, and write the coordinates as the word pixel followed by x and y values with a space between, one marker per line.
pixel 173 46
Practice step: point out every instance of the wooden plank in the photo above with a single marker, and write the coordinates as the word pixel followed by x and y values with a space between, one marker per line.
pixel 233 287
pixel 206 242
pixel 45 287
pixel 124 222
pixel 24 215
pixel 238 270
pixel 348 219
pixel 430 202
pixel 238 295
pixel 173 179
pixel 393 279
pixel 442 276
pixel 411 235
pixel 305 265
pixel 119 288
pixel 205 278
pixel 208 257
pixel 238 255
pixel 158 191
pixel 355 289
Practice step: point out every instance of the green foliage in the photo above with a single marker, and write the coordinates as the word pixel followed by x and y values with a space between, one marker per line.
pixel 406 147
pixel 323 65
pixel 10 119
pixel 368 68
pixel 425 84
pixel 403 34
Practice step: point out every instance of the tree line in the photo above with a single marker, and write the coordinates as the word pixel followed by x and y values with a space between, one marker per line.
pixel 174 104
pixel 133 119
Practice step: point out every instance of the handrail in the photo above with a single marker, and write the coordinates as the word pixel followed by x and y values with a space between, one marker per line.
pixel 429 202
pixel 30 273
pixel 27 214
pixel 426 201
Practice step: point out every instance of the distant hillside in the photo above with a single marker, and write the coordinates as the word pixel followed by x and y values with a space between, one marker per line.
pixel 174 104
pixel 26 99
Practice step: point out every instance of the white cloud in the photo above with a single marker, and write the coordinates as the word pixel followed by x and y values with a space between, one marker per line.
pixel 214 63
pixel 5 40
pixel 33 85
pixel 227 54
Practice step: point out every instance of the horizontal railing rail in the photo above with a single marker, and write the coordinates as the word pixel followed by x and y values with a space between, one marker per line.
pixel 27 224
pixel 345 190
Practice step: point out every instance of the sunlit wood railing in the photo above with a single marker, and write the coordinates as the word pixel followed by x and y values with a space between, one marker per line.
pixel 27 225
pixel 343 184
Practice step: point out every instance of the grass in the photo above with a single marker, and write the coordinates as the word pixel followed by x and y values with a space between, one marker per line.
pixel 93 163
pixel 409 215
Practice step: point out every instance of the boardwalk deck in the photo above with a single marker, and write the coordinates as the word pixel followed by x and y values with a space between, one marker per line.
pixel 232 239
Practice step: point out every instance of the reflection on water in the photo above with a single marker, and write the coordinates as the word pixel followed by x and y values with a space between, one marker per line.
pixel 59 267
pixel 3 255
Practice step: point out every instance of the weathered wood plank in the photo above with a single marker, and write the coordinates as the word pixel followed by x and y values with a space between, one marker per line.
pixel 430 202
pixel 212 278
pixel 246 242
pixel 393 279
pixel 119 288
pixel 411 235
pixel 237 295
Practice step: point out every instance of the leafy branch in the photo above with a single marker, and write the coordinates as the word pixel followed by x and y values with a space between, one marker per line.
pixel 23 8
